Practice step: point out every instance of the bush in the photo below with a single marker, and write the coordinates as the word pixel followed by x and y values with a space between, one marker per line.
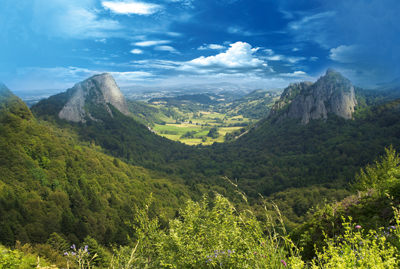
pixel 203 236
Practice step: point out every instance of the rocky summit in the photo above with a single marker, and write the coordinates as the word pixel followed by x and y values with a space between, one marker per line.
pixel 331 93
pixel 98 91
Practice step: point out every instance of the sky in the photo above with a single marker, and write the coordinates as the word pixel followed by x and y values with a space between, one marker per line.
pixel 53 44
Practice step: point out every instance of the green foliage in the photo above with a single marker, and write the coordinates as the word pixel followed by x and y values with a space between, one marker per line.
pixel 204 236
pixel 14 259
pixel 213 132
pixel 144 113
pixel 51 185
pixel 355 250
pixel 383 176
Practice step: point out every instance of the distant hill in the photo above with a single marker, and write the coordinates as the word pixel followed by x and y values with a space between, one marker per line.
pixel 181 99
pixel 255 105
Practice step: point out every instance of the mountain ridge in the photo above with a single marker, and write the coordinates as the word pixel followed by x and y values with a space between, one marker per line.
pixel 331 93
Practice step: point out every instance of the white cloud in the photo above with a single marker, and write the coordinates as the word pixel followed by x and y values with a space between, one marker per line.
pixel 306 21
pixel 151 43
pixel 187 3
pixel 72 19
pixel 313 59
pixel 166 48
pixel 347 54
pixel 175 34
pixel 240 31
pixel 279 57
pixel 294 74
pixel 131 7
pixel 51 77
pixel 125 77
pixel 136 51
pixel 56 72
pixel 237 59
pixel 211 47
pixel 313 28
pixel 103 40
pixel 269 51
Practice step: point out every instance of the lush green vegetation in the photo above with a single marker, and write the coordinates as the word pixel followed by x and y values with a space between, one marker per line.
pixel 68 183
pixel 147 114
pixel 50 184
pixel 207 110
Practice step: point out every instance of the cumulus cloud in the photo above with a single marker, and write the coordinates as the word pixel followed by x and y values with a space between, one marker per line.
pixel 211 47
pixel 238 58
pixel 136 51
pixel 347 54
pixel 151 43
pixel 131 7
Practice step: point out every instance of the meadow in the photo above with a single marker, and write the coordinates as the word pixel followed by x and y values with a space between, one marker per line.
pixel 200 128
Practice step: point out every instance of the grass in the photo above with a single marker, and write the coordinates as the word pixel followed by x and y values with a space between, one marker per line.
pixel 183 128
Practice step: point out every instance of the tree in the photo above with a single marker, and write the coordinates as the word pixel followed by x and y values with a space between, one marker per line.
pixel 382 176
pixel 213 133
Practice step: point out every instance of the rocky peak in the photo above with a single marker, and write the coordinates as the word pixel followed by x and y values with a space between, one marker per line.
pixel 331 93
pixel 87 96
pixel 330 70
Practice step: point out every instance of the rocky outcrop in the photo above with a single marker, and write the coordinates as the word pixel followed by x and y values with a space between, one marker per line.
pixel 100 90
pixel 332 93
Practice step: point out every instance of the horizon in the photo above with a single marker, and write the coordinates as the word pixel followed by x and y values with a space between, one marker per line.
pixel 166 43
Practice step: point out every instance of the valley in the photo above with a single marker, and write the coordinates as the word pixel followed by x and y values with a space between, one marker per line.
pixel 79 165
pixel 190 121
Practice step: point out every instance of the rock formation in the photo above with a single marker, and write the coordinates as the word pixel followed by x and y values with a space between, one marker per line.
pixel 100 90
pixel 332 93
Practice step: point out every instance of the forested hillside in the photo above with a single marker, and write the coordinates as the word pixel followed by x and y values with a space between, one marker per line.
pixel 272 158
pixel 52 184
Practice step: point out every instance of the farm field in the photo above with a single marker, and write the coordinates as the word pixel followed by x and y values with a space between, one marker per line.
pixel 175 131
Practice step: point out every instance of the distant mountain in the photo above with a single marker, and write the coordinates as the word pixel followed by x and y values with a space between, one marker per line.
pixel 331 93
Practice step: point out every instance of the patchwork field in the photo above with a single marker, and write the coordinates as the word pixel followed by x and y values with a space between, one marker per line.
pixel 175 132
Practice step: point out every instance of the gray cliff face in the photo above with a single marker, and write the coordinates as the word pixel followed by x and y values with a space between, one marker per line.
pixel 332 93
pixel 99 90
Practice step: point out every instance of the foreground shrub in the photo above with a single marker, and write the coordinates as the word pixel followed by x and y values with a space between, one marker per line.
pixel 203 237
pixel 353 250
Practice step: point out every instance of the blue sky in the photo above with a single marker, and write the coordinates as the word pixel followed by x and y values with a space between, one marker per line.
pixel 53 44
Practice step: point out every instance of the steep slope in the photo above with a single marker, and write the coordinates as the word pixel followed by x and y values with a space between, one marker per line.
pixel 50 183
pixel 89 99
pixel 95 110
pixel 332 93
pixel 12 105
